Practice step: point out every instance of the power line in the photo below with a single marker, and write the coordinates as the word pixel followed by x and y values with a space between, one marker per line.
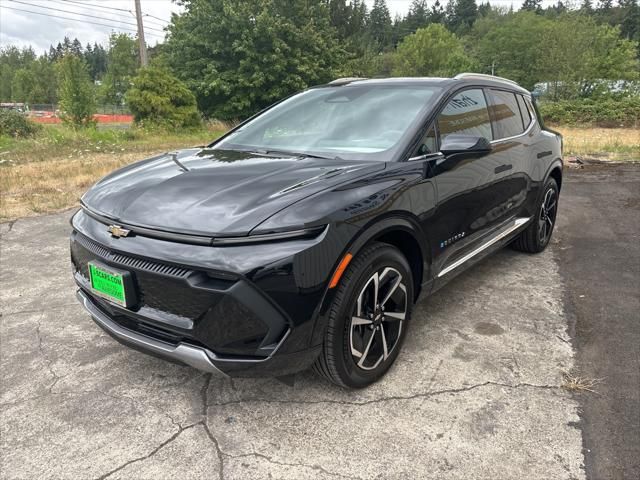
pixel 79 14
pixel 110 8
pixel 73 19
pixel 97 6
pixel 118 15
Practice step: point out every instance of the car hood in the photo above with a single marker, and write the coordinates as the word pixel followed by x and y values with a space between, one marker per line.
pixel 214 192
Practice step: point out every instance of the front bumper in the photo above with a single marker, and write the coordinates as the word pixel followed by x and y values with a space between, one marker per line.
pixel 218 320
pixel 196 357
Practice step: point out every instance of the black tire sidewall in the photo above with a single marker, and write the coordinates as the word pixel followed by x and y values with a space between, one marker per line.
pixel 349 372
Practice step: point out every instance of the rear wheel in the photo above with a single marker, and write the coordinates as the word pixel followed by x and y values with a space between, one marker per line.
pixel 538 234
pixel 368 318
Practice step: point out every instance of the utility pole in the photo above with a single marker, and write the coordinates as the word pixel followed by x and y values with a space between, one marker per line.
pixel 143 46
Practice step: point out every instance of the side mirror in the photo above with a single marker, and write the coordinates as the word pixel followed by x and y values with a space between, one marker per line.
pixel 468 145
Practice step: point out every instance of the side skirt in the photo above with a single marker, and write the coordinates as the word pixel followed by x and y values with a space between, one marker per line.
pixel 515 225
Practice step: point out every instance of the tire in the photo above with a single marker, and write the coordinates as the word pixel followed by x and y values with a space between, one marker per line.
pixel 537 235
pixel 355 327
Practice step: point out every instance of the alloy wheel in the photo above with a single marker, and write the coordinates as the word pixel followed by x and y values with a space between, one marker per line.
pixel 547 216
pixel 377 319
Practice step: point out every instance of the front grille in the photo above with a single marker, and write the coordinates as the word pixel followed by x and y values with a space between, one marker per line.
pixel 127 261
pixel 159 286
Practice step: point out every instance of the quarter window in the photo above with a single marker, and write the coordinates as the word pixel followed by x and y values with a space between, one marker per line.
pixel 524 111
pixel 505 113
pixel 428 144
pixel 466 114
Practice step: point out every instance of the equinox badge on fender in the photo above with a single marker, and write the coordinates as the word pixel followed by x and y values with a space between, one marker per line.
pixel 117 231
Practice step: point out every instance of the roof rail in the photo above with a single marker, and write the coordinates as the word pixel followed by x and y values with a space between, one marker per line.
pixel 485 76
pixel 345 80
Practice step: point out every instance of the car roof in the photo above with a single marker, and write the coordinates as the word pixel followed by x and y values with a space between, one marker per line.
pixel 458 80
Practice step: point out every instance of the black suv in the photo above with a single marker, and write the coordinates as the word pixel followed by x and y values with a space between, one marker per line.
pixel 304 236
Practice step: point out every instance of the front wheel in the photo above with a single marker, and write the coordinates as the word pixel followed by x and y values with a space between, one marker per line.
pixel 368 318
pixel 537 235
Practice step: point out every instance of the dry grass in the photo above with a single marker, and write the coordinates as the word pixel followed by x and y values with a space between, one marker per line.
pixel 602 143
pixel 576 383
pixel 47 174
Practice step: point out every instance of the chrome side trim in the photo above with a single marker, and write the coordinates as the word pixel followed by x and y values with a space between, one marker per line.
pixel 518 222
pixel 195 357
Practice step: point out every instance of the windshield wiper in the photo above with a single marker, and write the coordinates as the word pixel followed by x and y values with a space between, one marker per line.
pixel 295 154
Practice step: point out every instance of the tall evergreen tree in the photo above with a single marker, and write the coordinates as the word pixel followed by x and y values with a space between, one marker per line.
pixel 466 12
pixel 417 17
pixel 484 9
pixel 605 5
pixel 76 47
pixel 532 6
pixel 437 15
pixel 379 24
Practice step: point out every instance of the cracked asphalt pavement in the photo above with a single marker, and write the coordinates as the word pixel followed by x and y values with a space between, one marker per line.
pixel 476 393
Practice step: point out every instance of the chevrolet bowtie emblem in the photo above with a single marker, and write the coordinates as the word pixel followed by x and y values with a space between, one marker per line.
pixel 117 231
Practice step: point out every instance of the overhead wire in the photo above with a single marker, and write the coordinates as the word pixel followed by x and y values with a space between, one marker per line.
pixel 117 27
pixel 81 14
pixel 113 9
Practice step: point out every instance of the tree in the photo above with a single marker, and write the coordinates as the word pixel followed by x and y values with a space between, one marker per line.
pixel 532 6
pixel 13 59
pixel 159 98
pixel 239 57
pixel 22 85
pixel 586 7
pixel 96 58
pixel 572 52
pixel 122 66
pixel 437 15
pixel 45 85
pixel 431 51
pixel 75 90
pixel 484 9
pixel 417 17
pixel 465 13
pixel 630 25
pixel 379 24
pixel 605 5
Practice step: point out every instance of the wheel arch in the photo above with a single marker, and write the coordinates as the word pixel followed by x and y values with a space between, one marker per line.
pixel 555 171
pixel 397 229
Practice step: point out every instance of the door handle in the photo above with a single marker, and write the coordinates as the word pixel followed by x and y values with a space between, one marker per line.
pixel 503 168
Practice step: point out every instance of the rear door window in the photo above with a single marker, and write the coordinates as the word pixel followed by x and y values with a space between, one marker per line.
pixel 466 114
pixel 505 114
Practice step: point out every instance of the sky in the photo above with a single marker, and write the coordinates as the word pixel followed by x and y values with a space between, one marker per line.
pixel 22 28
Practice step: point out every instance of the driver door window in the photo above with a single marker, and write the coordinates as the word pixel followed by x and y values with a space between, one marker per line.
pixel 466 114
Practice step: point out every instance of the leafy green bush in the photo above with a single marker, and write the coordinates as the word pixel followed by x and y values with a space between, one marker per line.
pixel 157 98
pixel 15 124
pixel 603 112
pixel 431 51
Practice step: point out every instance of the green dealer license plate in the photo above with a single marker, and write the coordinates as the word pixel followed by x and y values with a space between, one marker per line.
pixel 107 283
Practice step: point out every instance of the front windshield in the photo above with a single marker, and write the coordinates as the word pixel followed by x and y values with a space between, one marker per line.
pixel 351 122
